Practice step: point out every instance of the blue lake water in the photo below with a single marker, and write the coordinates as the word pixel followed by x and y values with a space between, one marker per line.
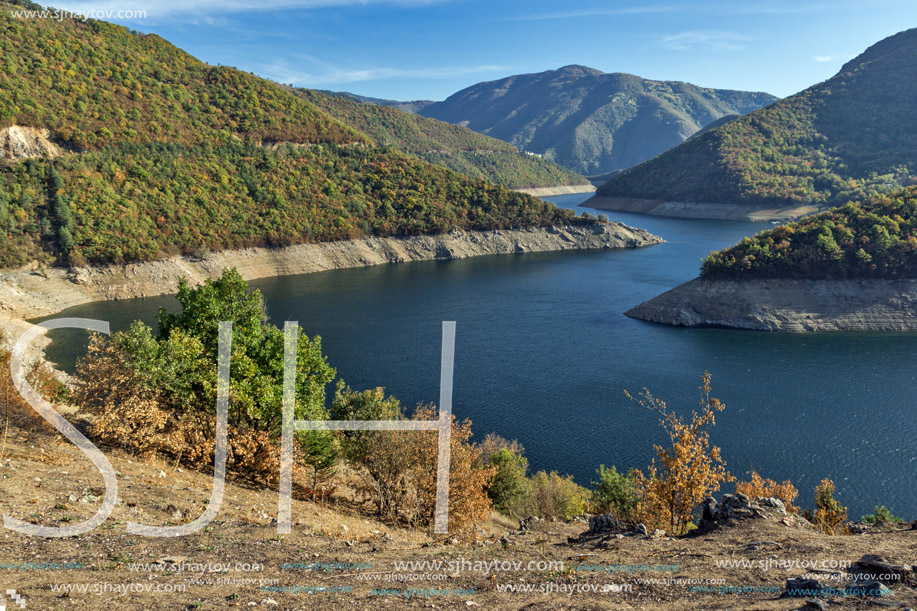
pixel 544 354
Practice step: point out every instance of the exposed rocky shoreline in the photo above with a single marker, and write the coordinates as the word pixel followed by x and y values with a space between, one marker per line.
pixel 558 190
pixel 29 293
pixel 787 305
pixel 699 210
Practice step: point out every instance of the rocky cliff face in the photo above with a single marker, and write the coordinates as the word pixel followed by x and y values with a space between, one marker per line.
pixel 787 305
pixel 17 142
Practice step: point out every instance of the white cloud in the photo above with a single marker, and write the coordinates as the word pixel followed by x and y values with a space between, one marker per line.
pixel 323 74
pixel 711 41
pixel 823 58
pixel 599 12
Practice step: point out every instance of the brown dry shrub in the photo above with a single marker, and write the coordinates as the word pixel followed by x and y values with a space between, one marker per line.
pixel 493 443
pixel 398 468
pixel 14 409
pixel 469 503
pixel 758 487
pixel 138 422
pixel 690 470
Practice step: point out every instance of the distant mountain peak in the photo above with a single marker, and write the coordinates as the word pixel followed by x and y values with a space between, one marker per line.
pixel 578 70
pixel 590 121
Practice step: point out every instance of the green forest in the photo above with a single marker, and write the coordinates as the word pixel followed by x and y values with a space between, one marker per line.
pixel 144 202
pixel 167 155
pixel 849 138
pixel 875 239
pixel 451 146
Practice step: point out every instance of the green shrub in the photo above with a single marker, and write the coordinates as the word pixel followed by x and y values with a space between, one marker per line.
pixel 615 493
pixel 510 490
pixel 882 514
pixel 556 496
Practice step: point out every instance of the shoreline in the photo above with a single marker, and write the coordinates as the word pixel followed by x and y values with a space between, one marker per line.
pixel 785 305
pixel 558 190
pixel 28 293
pixel 699 210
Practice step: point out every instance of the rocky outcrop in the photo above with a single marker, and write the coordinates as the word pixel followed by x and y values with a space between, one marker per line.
pixel 31 293
pixel 17 142
pixel 699 210
pixel 787 305
pixel 739 506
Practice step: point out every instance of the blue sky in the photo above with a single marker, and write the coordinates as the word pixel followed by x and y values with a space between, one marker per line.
pixel 429 49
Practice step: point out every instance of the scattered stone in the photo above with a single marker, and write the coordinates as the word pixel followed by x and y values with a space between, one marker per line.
pixel 657 534
pixel 171 560
pixel 813 603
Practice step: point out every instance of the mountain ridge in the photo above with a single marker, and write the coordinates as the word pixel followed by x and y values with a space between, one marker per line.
pixel 588 120
pixel 849 137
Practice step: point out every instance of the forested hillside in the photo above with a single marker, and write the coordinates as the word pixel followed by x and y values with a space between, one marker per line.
pixel 165 154
pixel 850 137
pixel 875 239
pixel 457 148
pixel 590 121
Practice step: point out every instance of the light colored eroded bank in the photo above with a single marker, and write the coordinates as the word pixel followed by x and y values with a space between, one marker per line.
pixel 559 190
pixel 787 305
pixel 31 293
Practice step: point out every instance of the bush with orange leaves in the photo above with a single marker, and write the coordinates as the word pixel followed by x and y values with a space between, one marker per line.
pixel 829 516
pixel 758 487
pixel 469 503
pixel 398 468
pixel 689 471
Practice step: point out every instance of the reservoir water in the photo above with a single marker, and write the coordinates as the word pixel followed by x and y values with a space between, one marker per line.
pixel 544 354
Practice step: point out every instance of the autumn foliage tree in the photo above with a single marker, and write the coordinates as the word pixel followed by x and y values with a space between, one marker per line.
pixel 829 515
pixel 688 471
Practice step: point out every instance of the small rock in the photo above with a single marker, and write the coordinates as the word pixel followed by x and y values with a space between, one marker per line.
pixel 171 560
pixel 812 603
pixel 270 601
pixel 658 533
